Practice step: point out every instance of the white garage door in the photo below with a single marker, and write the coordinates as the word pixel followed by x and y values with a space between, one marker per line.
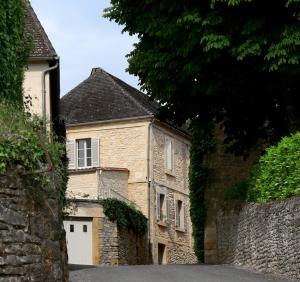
pixel 79 241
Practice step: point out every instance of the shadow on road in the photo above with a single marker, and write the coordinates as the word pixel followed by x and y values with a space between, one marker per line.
pixel 79 267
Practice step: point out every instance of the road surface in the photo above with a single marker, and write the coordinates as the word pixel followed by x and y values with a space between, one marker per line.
pixel 166 273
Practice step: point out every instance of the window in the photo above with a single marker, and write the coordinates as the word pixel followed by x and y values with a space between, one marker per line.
pixel 179 214
pixel 162 207
pixel 71 227
pixel 84 227
pixel 170 155
pixel 84 153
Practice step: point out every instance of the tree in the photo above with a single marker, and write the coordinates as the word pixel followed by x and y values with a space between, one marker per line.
pixel 235 62
pixel 13 50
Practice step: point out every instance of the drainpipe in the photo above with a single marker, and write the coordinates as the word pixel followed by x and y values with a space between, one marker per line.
pixel 44 111
pixel 149 180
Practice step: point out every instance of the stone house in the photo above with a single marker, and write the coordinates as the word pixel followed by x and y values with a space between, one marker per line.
pixel 118 148
pixel 42 79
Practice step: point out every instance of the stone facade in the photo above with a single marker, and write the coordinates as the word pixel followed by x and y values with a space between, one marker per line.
pixel 139 147
pixel 178 241
pixel 32 238
pixel 264 237
pixel 121 246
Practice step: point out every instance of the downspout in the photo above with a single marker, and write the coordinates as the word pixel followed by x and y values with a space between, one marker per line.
pixel 44 110
pixel 149 181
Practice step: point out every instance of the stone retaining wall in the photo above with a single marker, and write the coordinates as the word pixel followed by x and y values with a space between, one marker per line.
pixel 264 237
pixel 121 246
pixel 32 238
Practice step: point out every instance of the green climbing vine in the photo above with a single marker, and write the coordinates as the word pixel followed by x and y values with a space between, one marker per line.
pixel 125 215
pixel 199 176
pixel 24 143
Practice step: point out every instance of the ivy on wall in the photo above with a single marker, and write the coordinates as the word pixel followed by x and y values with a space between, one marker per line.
pixel 124 215
pixel 21 138
pixel 199 177
pixel 14 50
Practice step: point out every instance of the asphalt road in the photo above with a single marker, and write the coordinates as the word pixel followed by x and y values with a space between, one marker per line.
pixel 167 273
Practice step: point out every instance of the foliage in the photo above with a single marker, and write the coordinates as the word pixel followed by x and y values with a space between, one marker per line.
pixel 199 176
pixel 238 191
pixel 275 177
pixel 14 50
pixel 125 215
pixel 278 172
pixel 232 61
pixel 20 145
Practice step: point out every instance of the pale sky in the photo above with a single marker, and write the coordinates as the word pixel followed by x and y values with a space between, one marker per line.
pixel 84 39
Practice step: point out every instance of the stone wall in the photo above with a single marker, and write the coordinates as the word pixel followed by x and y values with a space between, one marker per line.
pixel 265 237
pixel 121 246
pixel 133 248
pixel 178 241
pixel 228 169
pixel 32 238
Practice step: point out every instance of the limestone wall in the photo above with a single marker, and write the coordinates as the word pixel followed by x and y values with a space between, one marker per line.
pixel 175 185
pixel 133 247
pixel 121 246
pixel 32 238
pixel 265 237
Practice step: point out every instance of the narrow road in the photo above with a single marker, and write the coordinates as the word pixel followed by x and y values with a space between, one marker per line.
pixel 167 273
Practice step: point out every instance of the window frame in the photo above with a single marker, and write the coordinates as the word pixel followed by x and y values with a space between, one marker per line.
pixel 179 209
pixel 85 150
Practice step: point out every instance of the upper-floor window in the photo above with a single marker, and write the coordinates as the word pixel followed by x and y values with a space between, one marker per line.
pixel 169 155
pixel 84 152
pixel 162 207
pixel 180 214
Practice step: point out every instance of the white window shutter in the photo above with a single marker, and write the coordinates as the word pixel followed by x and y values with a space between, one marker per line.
pixel 95 152
pixel 158 206
pixel 71 153
pixel 169 155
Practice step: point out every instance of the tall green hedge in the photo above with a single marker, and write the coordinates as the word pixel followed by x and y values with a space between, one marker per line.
pixel 277 175
pixel 14 50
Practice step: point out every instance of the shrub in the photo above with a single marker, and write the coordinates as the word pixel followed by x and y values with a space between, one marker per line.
pixel 20 145
pixel 277 175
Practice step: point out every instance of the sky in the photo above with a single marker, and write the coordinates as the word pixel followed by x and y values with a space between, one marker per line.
pixel 84 39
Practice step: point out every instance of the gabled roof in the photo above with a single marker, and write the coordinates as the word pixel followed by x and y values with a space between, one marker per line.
pixel 42 47
pixel 102 97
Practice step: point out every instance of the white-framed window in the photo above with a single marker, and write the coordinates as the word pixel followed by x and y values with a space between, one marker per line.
pixel 84 152
pixel 169 155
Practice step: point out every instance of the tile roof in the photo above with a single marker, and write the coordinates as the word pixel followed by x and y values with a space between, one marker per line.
pixel 102 97
pixel 42 46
